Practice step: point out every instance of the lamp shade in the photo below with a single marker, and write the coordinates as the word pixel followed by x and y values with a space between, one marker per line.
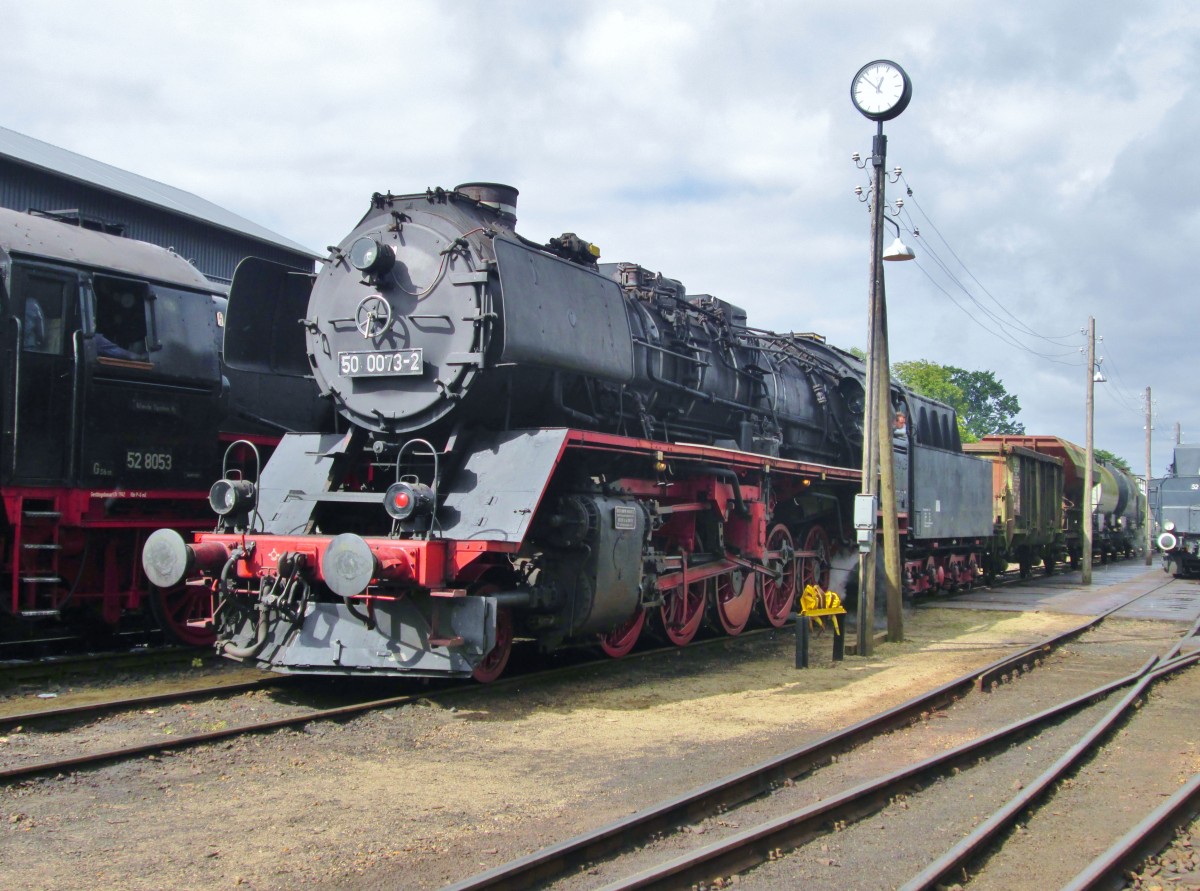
pixel 898 250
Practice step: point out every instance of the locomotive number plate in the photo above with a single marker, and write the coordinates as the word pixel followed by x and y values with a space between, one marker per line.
pixel 380 363
pixel 137 460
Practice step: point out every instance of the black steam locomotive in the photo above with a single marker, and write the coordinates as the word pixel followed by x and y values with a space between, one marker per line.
pixel 117 412
pixel 541 446
pixel 1175 501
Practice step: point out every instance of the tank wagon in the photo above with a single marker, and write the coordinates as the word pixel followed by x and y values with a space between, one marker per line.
pixel 541 446
pixel 114 403
pixel 1177 512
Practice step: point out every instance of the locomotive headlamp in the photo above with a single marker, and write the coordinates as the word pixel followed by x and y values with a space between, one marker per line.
pixel 1169 525
pixel 371 257
pixel 232 497
pixel 1167 541
pixel 404 501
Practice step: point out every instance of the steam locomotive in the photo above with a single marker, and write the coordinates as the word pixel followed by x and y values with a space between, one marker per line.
pixel 540 446
pixel 116 415
pixel 1175 500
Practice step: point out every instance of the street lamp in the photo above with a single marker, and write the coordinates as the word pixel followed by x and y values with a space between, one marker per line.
pixel 898 251
pixel 880 91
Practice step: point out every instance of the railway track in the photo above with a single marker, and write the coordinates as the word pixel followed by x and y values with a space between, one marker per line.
pixel 84 664
pixel 768 840
pixel 443 691
pixel 84 712
pixel 1148 838
pixel 96 709
pixel 987 836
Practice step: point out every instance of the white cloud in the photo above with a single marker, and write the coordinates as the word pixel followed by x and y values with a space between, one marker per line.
pixel 1047 142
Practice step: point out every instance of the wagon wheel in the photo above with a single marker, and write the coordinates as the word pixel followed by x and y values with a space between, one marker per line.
pixel 989 569
pixel 815 570
pixel 733 601
pixel 1048 562
pixel 778 592
pixel 951 575
pixel 972 572
pixel 682 611
pixel 621 639
pixel 931 573
pixel 184 613
pixel 493 664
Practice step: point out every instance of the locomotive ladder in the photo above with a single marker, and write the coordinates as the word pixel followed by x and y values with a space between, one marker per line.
pixel 35 566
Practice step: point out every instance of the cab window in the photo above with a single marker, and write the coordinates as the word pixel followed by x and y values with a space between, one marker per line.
pixel 43 301
pixel 122 310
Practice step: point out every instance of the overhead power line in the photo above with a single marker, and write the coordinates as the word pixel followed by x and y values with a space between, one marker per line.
pixel 988 311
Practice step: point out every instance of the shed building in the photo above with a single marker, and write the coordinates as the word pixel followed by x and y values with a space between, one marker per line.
pixel 37 176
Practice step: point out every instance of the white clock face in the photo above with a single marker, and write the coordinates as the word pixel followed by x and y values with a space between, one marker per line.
pixel 878 88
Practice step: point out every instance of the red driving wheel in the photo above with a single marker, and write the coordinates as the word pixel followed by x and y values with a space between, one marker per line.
pixel 494 662
pixel 184 612
pixel 682 612
pixel 734 600
pixel 622 639
pixel 778 590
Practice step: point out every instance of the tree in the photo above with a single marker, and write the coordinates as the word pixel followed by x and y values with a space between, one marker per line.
pixel 990 407
pixel 982 403
pixel 1106 457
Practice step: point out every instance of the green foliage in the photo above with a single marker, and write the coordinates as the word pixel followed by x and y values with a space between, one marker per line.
pixel 932 380
pixel 983 404
pixel 1107 457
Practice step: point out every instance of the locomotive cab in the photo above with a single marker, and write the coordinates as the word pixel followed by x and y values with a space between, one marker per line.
pixel 108 384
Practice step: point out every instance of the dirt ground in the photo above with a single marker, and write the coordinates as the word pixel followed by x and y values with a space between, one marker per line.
pixel 422 795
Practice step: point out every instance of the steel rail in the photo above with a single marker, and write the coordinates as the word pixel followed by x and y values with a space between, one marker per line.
pixel 1020 661
pixel 557 860
pixel 131 702
pixel 972 847
pixel 184 742
pixel 29 670
pixel 338 713
pixel 1144 840
pixel 755 845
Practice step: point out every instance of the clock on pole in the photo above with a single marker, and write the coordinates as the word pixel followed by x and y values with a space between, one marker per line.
pixel 881 90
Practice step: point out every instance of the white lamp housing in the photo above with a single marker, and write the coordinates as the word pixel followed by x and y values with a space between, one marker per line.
pixel 899 251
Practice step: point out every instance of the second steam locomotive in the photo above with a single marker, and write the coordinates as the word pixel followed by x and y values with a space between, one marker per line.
pixel 117 410
pixel 541 446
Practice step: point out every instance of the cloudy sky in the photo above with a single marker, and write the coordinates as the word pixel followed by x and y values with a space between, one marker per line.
pixel 1049 149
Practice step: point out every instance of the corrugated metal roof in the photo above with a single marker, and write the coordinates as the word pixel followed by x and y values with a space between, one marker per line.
pixel 45 156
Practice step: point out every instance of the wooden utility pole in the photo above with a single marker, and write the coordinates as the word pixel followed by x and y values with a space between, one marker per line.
pixel 1085 509
pixel 887 478
pixel 872 442
pixel 1146 519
